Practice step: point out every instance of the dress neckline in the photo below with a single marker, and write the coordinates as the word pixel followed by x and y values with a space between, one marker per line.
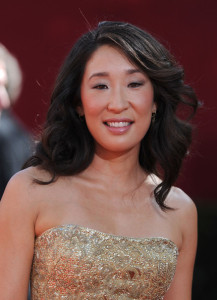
pixel 91 230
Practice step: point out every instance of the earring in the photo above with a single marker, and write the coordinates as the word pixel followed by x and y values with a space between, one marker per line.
pixel 80 112
pixel 153 117
pixel 81 117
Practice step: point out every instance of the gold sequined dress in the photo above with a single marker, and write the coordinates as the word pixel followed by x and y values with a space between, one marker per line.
pixel 78 263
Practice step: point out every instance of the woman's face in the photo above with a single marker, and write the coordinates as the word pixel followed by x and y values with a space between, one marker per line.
pixel 117 101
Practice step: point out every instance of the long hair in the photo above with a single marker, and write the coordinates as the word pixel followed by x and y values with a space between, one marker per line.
pixel 66 146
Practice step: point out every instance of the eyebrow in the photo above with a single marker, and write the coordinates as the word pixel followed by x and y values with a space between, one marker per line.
pixel 105 74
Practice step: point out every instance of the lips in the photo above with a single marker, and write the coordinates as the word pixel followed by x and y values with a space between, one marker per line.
pixel 118 126
pixel 118 123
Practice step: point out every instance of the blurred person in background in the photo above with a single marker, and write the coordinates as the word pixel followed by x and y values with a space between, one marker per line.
pixel 15 141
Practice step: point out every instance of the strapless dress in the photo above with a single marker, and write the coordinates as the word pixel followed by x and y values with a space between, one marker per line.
pixel 77 263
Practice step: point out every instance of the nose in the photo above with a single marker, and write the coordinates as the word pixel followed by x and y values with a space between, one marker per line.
pixel 118 101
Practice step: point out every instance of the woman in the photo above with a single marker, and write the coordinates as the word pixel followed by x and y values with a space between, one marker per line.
pixel 95 209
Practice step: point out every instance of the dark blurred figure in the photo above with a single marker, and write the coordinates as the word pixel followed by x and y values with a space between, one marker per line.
pixel 15 141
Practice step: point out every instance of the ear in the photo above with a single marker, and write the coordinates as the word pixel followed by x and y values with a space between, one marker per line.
pixel 154 108
pixel 80 111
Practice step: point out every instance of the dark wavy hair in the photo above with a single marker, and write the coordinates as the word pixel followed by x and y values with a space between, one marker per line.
pixel 66 146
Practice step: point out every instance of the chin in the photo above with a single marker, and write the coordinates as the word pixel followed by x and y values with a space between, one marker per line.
pixel 116 150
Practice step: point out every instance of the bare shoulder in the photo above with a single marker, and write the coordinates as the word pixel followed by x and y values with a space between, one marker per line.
pixel 177 199
pixel 180 201
pixel 22 180
pixel 22 189
pixel 19 183
pixel 184 209
pixel 27 177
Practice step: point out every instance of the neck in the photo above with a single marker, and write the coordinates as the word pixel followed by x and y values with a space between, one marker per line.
pixel 118 169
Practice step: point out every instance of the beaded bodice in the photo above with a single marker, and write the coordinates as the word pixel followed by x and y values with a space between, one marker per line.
pixel 74 262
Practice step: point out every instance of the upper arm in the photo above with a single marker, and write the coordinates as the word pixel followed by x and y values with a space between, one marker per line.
pixel 181 287
pixel 17 217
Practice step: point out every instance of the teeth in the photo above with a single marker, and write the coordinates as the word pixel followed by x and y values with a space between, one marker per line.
pixel 118 124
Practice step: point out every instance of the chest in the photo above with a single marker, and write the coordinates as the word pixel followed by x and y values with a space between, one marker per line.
pixel 120 216
pixel 72 261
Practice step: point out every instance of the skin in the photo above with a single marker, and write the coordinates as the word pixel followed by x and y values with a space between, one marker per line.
pixel 113 89
pixel 128 209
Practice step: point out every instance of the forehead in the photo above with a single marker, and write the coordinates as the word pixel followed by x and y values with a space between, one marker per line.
pixel 107 56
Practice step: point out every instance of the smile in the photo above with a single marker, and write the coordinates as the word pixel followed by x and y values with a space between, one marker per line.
pixel 117 124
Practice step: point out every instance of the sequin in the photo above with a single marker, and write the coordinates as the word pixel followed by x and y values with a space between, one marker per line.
pixel 72 262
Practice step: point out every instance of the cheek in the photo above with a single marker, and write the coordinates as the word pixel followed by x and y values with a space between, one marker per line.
pixel 144 106
pixel 145 100
pixel 91 105
pixel 90 109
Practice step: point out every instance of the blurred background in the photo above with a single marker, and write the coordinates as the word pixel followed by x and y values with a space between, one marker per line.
pixel 40 34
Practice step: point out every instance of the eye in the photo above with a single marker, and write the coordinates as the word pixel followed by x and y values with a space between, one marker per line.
pixel 100 87
pixel 135 84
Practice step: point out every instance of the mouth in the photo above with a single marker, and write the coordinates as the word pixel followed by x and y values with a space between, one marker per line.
pixel 118 124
